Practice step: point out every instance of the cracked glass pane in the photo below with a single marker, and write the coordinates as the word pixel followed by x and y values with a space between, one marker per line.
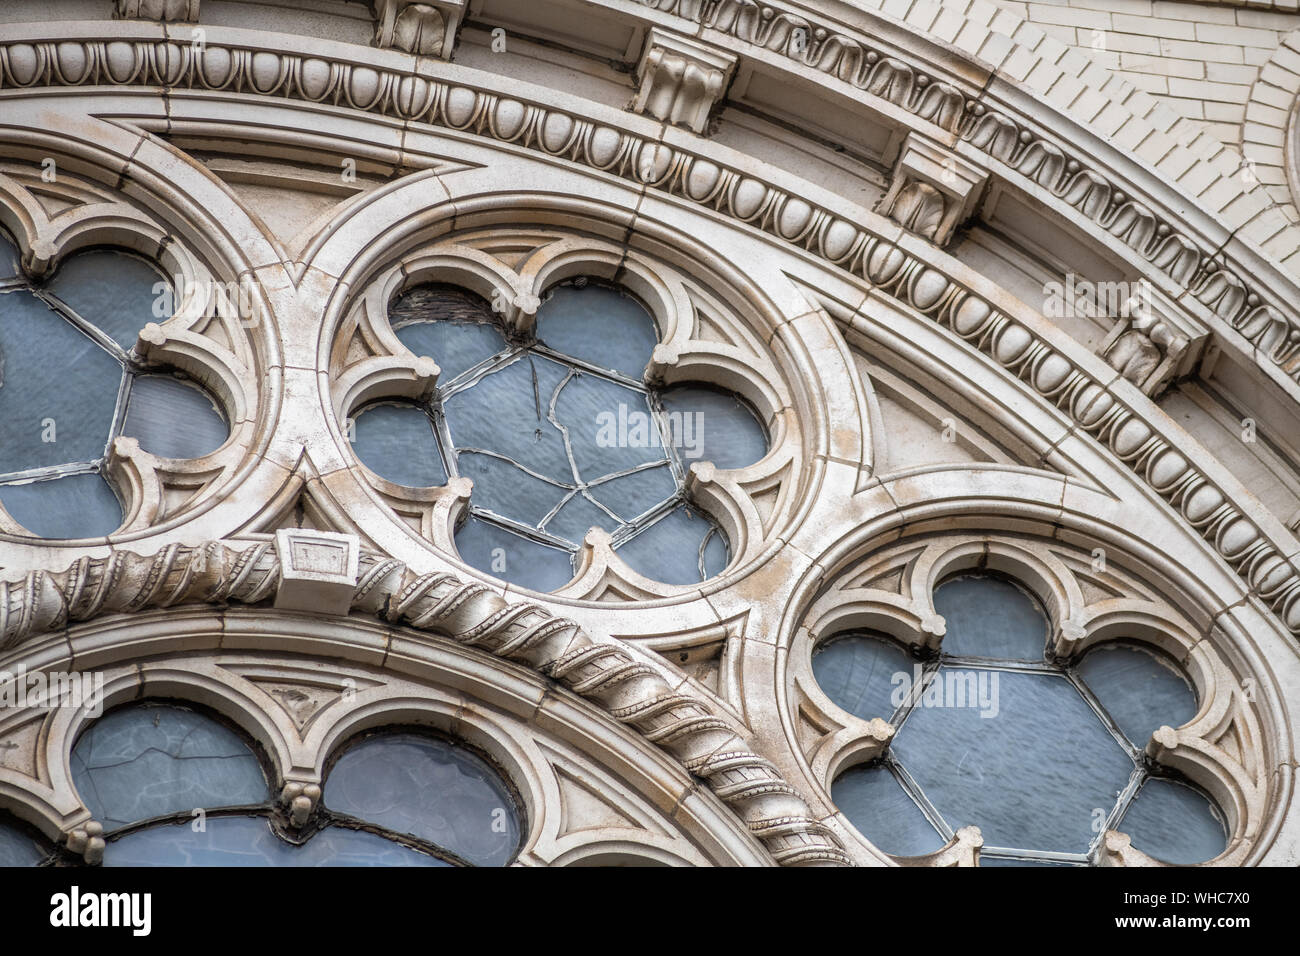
pixel 249 841
pixel 506 412
pixel 609 426
pixel 430 789
pixel 632 495
pixel 173 418
pixel 396 441
pixel 58 389
pixel 706 424
pixel 857 672
pixel 1174 823
pixel 598 325
pixel 669 550
pixel 577 517
pixel 18 847
pixel 1020 755
pixel 453 327
pixel 113 291
pixel 142 762
pixel 1140 690
pixel 504 554
pixel 505 489
pixel 873 800
pixel 73 506
pixel 990 617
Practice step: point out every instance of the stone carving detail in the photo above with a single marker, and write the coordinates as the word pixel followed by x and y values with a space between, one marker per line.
pixel 318 571
pixel 1145 348
pixel 423 27
pixel 171 10
pixel 473 615
pixel 933 190
pixel 681 80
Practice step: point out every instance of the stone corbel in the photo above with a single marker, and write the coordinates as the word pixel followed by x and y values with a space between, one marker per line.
pixel 1148 346
pixel 681 80
pixel 933 190
pixel 318 570
pixel 422 27
pixel 180 11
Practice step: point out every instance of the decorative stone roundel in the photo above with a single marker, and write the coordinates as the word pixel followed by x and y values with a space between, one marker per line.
pixel 560 434
pixel 70 384
pixel 1043 757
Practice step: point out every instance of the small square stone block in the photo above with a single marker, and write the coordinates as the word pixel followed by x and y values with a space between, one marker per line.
pixel 318 570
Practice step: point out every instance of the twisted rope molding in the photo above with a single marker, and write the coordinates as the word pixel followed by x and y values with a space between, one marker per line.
pixel 1274 335
pixel 472 615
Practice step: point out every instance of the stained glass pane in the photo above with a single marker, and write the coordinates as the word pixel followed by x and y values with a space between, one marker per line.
pixel 868 675
pixel 396 441
pixel 249 841
pixel 669 549
pixel 142 762
pixel 989 617
pixel 18 847
pixel 58 389
pixel 429 789
pixel 173 418
pixel 1174 823
pixel 1022 756
pixel 74 506
pixel 873 800
pixel 706 424
pixel 1140 689
pixel 504 554
pixel 113 291
pixel 598 325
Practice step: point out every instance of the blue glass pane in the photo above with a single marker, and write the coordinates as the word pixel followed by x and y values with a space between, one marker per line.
pixel 591 408
pixel 249 841
pixel 598 325
pixel 509 491
pixel 989 617
pixel 504 554
pixel 507 412
pixel 669 549
pixel 74 506
pixel 454 328
pixel 873 800
pixel 1141 690
pixel 430 789
pixel 867 675
pixel 9 258
pixel 142 762
pixel 711 425
pixel 1174 823
pixel 632 495
pixel 1005 861
pixel 1022 756
pixel 58 389
pixel 173 418
pixel 19 847
pixel 396 441
pixel 577 517
pixel 118 293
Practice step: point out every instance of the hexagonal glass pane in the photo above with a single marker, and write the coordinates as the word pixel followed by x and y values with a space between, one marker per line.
pixel 991 617
pixel 1020 755
pixel 866 674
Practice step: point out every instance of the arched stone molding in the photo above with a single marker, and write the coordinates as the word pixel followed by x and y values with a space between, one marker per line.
pixel 1269 133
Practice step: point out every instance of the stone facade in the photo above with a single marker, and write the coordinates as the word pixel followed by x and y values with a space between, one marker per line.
pixel 891 228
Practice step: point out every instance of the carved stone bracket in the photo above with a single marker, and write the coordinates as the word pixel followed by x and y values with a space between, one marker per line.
pixel 681 80
pixel 933 190
pixel 1148 346
pixel 318 570
pixel 423 27
pixel 183 11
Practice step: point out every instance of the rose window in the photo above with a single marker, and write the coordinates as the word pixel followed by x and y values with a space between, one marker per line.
pixel 560 433
pixel 1043 756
